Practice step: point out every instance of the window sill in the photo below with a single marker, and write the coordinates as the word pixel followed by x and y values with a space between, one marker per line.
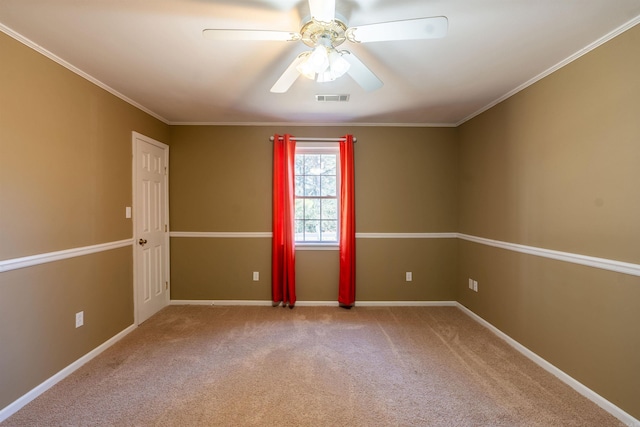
pixel 317 247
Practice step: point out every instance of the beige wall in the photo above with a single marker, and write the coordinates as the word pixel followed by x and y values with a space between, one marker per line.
pixel 220 181
pixel 558 167
pixel 37 314
pixel 65 179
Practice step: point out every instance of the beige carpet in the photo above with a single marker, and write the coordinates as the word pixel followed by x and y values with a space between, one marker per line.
pixel 311 366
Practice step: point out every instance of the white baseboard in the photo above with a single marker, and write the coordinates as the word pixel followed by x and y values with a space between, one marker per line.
pixel 405 303
pixel 319 303
pixel 220 302
pixel 46 385
pixel 570 381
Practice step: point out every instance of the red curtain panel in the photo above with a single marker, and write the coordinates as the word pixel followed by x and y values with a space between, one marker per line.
pixel 347 285
pixel 283 271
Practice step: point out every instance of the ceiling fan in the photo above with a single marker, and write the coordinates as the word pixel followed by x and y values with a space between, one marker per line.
pixel 324 31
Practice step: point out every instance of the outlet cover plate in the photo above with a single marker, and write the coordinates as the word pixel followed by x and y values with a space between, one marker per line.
pixel 79 319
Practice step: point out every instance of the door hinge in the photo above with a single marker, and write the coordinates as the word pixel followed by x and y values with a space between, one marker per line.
pixel 166 228
pixel 165 170
pixel 166 285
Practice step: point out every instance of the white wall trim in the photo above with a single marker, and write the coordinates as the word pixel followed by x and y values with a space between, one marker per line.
pixel 214 234
pixel 406 304
pixel 309 124
pixel 220 302
pixel 221 234
pixel 46 385
pixel 406 235
pixel 589 261
pixel 565 378
pixel 317 247
pixel 260 303
pixel 29 261
pixel 318 303
pixel 601 263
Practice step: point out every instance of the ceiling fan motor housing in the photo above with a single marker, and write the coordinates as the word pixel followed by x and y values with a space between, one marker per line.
pixel 316 32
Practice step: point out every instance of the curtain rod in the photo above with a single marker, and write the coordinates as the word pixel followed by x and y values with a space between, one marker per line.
pixel 271 138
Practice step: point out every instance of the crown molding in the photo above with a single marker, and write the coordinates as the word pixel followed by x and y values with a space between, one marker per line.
pixel 602 40
pixel 33 45
pixel 337 124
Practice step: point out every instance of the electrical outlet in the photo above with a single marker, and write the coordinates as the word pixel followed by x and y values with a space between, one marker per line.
pixel 408 276
pixel 256 276
pixel 475 286
pixel 470 283
pixel 79 319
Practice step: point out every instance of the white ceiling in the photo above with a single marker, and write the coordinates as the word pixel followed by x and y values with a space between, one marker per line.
pixel 152 53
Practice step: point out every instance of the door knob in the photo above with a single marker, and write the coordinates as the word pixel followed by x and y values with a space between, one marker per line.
pixel 142 242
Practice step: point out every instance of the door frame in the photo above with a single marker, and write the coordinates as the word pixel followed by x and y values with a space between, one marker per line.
pixel 136 258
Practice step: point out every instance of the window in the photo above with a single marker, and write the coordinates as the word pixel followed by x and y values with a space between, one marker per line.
pixel 316 193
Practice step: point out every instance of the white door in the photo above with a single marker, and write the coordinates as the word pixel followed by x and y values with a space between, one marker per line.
pixel 151 226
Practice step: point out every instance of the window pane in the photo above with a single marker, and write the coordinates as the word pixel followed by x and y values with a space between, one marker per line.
pixel 299 164
pixel 328 162
pixel 312 231
pixel 328 186
pixel 329 209
pixel 311 209
pixel 311 186
pixel 311 164
pixel 329 231
pixel 299 186
pixel 299 214
pixel 299 230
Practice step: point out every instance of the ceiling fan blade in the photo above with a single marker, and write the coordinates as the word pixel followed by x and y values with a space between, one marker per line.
pixel 289 76
pixel 407 29
pixel 361 73
pixel 323 10
pixel 215 34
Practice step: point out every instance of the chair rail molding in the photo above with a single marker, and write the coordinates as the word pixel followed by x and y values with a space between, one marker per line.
pixel 31 260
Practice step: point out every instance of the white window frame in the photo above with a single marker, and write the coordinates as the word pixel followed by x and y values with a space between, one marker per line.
pixel 322 148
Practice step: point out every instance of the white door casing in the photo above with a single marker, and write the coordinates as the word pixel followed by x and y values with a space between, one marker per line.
pixel 151 226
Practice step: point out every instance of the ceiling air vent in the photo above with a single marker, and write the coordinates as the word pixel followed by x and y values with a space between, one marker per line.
pixel 332 98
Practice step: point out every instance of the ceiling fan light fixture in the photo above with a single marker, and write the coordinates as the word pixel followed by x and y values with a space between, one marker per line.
pixel 305 68
pixel 337 63
pixel 319 59
pixel 324 69
pixel 327 76
pixel 338 66
pixel 316 63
